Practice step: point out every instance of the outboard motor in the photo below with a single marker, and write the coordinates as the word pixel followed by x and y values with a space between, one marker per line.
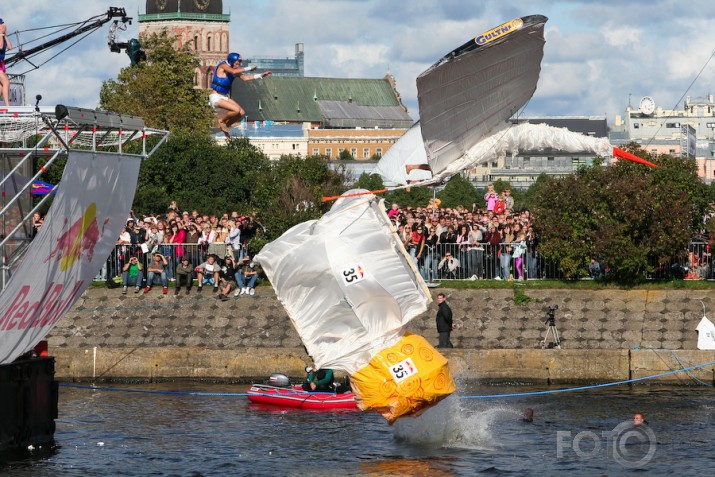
pixel 279 380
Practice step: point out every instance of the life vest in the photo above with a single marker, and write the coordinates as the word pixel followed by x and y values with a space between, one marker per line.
pixel 222 85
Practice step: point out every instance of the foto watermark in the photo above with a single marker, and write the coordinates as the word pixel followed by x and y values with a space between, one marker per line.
pixel 629 445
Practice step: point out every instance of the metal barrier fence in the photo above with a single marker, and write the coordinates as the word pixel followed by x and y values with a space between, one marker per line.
pixel 444 262
pixel 453 261
pixel 197 254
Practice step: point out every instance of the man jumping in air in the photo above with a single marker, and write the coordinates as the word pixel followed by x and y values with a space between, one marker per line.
pixel 229 111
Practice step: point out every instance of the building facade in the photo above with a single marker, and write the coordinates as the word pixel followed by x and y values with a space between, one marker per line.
pixel 688 132
pixel 280 66
pixel 274 140
pixel 361 144
pixel 199 23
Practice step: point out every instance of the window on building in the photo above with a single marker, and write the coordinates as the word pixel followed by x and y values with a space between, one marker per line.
pixel 636 125
pixel 527 161
pixel 710 125
pixel 208 43
pixel 315 151
pixel 576 162
pixel 671 152
pixel 378 152
pixel 353 151
pixel 196 43
pixel 672 125
pixel 366 153
pixel 328 152
pixel 340 150
pixel 550 159
pixel 294 146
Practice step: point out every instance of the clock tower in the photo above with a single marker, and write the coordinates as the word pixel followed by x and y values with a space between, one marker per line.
pixel 199 23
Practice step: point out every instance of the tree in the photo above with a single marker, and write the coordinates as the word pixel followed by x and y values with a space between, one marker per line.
pixel 626 214
pixel 294 191
pixel 160 90
pixel 501 185
pixel 415 197
pixel 345 155
pixel 196 172
pixel 526 199
pixel 369 182
pixel 458 191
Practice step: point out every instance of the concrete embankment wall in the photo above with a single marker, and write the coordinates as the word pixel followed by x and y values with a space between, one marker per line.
pixel 606 336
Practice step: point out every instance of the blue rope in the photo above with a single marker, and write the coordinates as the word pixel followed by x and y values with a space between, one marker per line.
pixel 689 373
pixel 583 388
pixel 147 391
pixel 485 396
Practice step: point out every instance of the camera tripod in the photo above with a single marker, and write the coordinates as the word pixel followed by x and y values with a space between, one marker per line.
pixel 554 332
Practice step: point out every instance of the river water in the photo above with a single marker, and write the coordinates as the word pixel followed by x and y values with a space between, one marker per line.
pixel 115 433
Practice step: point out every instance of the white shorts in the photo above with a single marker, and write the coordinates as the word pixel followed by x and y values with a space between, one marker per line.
pixel 214 98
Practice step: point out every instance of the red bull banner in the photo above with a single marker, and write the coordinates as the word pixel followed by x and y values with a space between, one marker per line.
pixel 79 232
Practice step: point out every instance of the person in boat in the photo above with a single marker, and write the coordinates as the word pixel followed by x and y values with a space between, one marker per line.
pixel 229 111
pixel 319 380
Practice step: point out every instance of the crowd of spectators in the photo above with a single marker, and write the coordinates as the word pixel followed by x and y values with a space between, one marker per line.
pixel 490 240
pixel 181 247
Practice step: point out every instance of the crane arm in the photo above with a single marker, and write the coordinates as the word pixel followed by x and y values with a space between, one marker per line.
pixel 113 12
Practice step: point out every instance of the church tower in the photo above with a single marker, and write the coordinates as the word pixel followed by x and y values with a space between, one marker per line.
pixel 200 23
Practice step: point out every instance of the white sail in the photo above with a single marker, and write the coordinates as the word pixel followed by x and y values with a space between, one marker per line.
pixel 346 282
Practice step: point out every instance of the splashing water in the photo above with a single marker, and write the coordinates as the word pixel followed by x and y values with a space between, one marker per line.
pixel 449 424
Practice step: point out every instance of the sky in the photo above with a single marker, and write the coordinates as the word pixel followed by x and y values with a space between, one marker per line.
pixel 599 55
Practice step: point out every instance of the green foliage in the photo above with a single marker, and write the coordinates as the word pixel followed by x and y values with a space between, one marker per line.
pixel 160 90
pixel 345 155
pixel 197 173
pixel 415 197
pixel 369 182
pixel 625 214
pixel 521 298
pixel 294 190
pixel 458 191
pixel 501 185
pixel 526 199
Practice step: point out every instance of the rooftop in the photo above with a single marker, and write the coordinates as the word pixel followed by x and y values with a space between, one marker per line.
pixel 328 101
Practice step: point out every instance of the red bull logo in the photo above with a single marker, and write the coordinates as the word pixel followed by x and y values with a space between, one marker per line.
pixel 24 312
pixel 500 31
pixel 80 239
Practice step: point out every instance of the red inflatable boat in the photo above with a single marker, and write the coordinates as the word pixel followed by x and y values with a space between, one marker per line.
pixel 279 392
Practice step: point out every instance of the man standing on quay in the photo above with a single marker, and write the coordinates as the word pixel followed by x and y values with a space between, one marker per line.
pixel 444 322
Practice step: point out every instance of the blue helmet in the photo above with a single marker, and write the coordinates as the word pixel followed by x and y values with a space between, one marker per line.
pixel 232 58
